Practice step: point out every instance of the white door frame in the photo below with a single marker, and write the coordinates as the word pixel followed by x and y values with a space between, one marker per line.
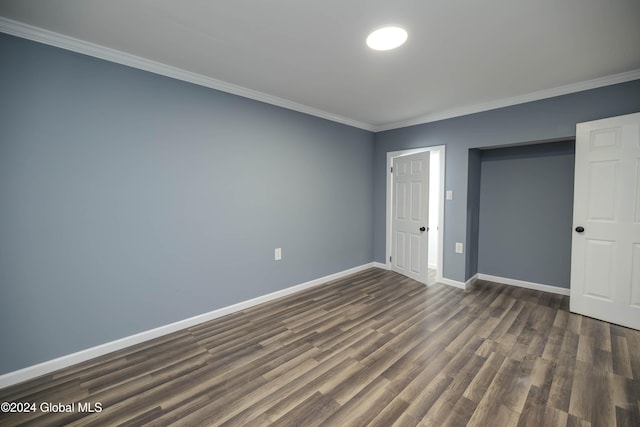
pixel 390 156
pixel 604 269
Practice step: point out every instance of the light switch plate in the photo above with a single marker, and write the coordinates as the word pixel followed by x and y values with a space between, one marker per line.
pixel 278 254
pixel 449 195
pixel 459 248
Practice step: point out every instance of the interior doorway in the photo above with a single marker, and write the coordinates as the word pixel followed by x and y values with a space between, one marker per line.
pixel 605 251
pixel 436 208
pixel 410 223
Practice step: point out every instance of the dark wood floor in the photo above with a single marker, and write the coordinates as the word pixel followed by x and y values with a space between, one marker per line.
pixel 372 349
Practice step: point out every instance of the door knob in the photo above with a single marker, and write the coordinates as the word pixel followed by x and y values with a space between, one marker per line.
pixel 422 229
pixel 580 229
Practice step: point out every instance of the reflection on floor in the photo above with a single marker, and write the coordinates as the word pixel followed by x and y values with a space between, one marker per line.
pixel 433 274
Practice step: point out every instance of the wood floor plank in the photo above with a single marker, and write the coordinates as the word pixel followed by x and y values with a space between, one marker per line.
pixel 325 373
pixel 374 348
pixel 300 383
pixel 480 383
pixel 561 387
pixel 311 412
pixel 582 393
pixel 364 406
pixel 604 413
pixel 390 413
pixel 449 401
pixel 426 399
pixel 621 357
pixel 493 398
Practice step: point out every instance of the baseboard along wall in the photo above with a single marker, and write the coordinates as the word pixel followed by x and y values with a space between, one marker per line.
pixel 506 281
pixel 47 367
pixel 524 284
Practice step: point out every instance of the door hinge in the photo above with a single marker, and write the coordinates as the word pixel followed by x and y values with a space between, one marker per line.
pixel 389 259
pixel 391 169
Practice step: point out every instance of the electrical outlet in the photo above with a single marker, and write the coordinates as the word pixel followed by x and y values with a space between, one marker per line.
pixel 278 254
pixel 459 248
pixel 449 195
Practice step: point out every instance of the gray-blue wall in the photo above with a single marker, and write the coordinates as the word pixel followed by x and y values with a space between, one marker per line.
pixel 548 119
pixel 526 213
pixel 129 200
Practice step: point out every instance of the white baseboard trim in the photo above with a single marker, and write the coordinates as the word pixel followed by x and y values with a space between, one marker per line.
pixel 454 283
pixel 471 280
pixel 525 284
pixel 47 367
pixel 381 265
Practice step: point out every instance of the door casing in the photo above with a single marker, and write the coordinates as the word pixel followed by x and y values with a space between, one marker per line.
pixel 390 156
pixel 605 252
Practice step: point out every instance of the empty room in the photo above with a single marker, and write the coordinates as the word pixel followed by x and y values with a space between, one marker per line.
pixel 250 213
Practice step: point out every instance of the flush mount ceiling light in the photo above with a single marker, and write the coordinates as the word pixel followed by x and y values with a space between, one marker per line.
pixel 387 38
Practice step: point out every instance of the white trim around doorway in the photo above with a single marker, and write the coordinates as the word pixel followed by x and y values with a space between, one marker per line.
pixel 390 156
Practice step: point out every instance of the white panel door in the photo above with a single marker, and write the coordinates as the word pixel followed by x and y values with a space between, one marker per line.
pixel 605 251
pixel 410 216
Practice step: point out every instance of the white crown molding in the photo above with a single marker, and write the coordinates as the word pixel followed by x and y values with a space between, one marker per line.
pixel 41 35
pixel 514 100
pixel 51 38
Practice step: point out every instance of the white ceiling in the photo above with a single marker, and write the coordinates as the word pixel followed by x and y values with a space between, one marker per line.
pixel 310 55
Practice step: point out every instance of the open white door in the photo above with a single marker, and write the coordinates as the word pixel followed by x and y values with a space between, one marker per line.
pixel 410 216
pixel 605 252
